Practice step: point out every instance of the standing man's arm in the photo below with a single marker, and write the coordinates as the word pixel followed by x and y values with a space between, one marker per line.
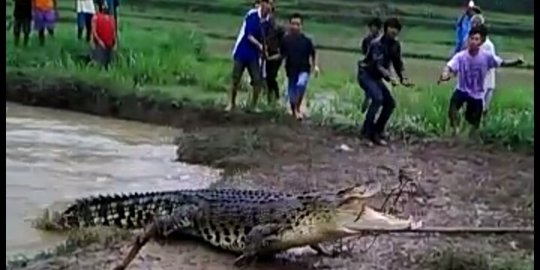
pixel 280 33
pixel 364 45
pixel 450 70
pixel 253 27
pixel 313 58
pixel 377 55
pixel 95 36
pixel 399 67
pixel 496 61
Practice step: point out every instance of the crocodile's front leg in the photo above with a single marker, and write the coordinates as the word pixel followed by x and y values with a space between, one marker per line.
pixel 258 239
pixel 161 227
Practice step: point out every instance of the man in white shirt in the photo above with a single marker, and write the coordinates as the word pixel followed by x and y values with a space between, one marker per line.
pixel 85 11
pixel 489 83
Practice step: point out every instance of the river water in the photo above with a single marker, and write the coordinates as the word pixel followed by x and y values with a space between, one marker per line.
pixel 55 156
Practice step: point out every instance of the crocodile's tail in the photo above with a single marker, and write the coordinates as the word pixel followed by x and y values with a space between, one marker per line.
pixel 129 211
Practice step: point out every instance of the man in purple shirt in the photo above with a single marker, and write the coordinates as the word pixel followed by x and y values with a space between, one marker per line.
pixel 247 52
pixel 471 67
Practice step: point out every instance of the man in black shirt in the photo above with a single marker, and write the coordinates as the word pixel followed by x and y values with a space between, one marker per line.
pixel 375 67
pixel 374 30
pixel 22 20
pixel 273 37
pixel 300 62
pixel 374 26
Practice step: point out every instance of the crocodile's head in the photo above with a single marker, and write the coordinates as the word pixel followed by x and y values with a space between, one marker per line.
pixel 351 213
pixel 332 215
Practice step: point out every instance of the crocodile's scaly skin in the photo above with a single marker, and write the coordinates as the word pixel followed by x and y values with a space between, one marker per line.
pixel 250 222
pixel 132 211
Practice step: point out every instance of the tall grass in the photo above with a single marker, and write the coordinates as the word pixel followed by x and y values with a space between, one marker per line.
pixel 174 64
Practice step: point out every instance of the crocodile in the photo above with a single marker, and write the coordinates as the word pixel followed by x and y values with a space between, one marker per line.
pixel 251 223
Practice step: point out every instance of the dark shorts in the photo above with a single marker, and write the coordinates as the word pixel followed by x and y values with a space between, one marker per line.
pixel 253 69
pixel 84 19
pixel 102 55
pixel 44 19
pixel 474 107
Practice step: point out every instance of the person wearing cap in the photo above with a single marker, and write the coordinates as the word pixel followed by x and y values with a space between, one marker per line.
pixel 463 26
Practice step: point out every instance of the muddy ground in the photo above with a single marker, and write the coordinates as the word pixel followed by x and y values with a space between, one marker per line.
pixel 465 185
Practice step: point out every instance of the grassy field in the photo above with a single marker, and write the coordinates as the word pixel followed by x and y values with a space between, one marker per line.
pixel 172 50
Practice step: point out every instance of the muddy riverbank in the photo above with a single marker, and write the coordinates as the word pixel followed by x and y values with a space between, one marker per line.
pixel 464 184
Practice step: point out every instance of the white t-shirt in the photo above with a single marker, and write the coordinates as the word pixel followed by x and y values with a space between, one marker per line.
pixel 86 6
pixel 489 83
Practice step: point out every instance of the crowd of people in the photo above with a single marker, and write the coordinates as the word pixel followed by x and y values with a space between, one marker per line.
pixel 96 17
pixel 262 44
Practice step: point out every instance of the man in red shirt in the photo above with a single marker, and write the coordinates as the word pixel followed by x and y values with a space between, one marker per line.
pixel 103 36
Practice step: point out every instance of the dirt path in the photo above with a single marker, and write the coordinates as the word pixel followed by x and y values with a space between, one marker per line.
pixel 464 184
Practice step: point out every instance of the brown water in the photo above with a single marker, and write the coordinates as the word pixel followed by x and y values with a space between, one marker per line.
pixel 54 156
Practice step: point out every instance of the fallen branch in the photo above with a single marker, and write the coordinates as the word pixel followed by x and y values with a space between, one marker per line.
pixel 459 230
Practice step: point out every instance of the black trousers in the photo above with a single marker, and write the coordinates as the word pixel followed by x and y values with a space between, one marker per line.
pixel 272 69
pixel 22 25
pixel 380 96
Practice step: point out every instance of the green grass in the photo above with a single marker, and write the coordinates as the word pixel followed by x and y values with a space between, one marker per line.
pixel 175 60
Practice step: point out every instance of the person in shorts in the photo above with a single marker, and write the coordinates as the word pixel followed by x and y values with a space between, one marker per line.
pixel 85 12
pixel 22 20
pixel 247 52
pixel 300 62
pixel 45 15
pixel 471 66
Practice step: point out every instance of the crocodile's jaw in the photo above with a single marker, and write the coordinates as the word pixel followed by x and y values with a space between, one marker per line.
pixel 348 223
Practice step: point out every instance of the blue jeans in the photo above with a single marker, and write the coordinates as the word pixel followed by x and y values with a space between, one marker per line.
pixel 380 97
pixel 297 86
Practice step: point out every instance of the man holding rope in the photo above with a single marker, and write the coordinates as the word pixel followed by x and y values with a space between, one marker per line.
pixel 375 67
pixel 247 52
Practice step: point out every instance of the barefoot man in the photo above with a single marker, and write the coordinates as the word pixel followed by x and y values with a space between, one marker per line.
pixel 300 62
pixel 247 52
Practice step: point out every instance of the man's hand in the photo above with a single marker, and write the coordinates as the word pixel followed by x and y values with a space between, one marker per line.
pixel 444 77
pixel 405 82
pixel 316 71
pixel 260 46
pixel 393 81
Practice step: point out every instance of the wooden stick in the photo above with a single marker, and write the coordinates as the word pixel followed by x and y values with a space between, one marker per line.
pixel 460 230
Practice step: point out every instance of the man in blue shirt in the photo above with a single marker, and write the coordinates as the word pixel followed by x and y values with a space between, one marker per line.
pixel 248 50
pixel 463 26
